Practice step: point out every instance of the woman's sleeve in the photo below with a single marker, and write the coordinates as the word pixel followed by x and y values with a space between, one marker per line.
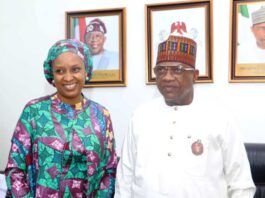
pixel 16 172
pixel 107 184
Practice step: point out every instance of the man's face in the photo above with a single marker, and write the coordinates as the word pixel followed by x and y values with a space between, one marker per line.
pixel 259 33
pixel 175 86
pixel 95 41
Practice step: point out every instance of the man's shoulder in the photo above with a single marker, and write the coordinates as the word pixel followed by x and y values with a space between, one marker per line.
pixel 109 53
pixel 249 52
pixel 212 108
pixel 149 106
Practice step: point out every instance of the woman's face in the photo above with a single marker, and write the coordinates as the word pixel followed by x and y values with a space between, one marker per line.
pixel 69 77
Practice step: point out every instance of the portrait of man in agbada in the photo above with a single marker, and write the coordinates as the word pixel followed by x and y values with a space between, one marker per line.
pixel 95 38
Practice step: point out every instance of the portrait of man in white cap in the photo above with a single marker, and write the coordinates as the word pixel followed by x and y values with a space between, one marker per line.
pixel 251 49
pixel 95 37
pixel 258 27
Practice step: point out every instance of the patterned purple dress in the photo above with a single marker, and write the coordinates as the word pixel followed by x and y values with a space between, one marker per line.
pixel 62 151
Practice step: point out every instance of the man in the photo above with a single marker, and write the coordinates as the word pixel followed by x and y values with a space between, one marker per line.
pixel 95 38
pixel 258 27
pixel 179 145
pixel 253 51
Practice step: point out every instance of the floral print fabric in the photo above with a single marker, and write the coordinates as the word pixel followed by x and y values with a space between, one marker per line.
pixel 56 152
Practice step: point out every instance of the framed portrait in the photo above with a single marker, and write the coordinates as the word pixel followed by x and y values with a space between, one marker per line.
pixel 191 19
pixel 104 33
pixel 247 43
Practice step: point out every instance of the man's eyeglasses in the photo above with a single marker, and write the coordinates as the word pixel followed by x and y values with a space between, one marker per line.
pixel 161 71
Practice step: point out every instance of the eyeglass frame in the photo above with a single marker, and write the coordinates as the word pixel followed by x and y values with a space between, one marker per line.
pixel 179 70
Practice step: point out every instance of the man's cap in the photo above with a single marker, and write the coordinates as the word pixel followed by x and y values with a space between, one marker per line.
pixel 258 16
pixel 177 49
pixel 96 25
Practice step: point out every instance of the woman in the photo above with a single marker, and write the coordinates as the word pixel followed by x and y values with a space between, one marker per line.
pixel 63 144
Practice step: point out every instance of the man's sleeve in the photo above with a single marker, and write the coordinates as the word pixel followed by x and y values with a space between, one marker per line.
pixel 126 165
pixel 236 165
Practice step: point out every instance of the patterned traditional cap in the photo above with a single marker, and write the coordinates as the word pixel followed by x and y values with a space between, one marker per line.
pixel 67 45
pixel 96 25
pixel 258 16
pixel 177 49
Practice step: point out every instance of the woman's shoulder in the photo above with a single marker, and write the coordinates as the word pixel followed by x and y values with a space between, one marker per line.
pixel 38 101
pixel 97 107
pixel 35 106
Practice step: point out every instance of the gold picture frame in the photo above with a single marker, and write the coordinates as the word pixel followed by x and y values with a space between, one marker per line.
pixel 196 15
pixel 109 52
pixel 247 59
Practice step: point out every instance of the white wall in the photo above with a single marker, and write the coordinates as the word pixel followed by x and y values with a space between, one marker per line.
pixel 29 28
